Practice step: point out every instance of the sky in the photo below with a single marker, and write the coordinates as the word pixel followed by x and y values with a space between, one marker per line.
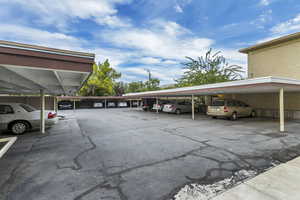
pixel 149 34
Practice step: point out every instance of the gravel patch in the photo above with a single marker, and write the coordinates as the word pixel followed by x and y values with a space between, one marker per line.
pixel 205 192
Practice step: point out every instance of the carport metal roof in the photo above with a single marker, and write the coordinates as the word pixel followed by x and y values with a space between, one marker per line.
pixel 27 69
pixel 90 97
pixel 255 85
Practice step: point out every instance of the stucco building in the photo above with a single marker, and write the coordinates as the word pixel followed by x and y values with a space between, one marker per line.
pixel 280 58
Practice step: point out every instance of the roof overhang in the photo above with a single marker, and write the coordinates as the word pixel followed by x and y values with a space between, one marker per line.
pixel 270 43
pixel 255 85
pixel 92 97
pixel 26 69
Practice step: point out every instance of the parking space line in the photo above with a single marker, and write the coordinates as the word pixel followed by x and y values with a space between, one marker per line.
pixel 10 141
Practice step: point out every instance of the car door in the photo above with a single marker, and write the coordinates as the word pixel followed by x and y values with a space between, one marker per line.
pixel 243 109
pixel 248 109
pixel 237 107
pixel 188 106
pixel 6 116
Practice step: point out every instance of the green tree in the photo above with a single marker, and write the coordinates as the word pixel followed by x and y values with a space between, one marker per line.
pixel 101 82
pixel 212 68
pixel 136 86
pixel 120 88
pixel 152 84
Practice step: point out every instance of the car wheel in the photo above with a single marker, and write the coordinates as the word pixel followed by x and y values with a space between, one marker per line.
pixel 253 114
pixel 19 128
pixel 214 117
pixel 178 111
pixel 234 116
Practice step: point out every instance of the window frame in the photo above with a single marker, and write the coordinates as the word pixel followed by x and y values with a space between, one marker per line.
pixel 22 105
pixel 12 110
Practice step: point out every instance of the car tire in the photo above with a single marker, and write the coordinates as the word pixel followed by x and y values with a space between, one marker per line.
pixel 234 116
pixel 178 111
pixel 253 114
pixel 214 117
pixel 19 127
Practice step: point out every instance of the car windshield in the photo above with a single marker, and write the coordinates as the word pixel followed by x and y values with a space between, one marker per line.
pixel 28 108
pixel 218 103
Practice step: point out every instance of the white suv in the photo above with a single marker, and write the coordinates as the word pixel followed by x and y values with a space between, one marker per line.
pixel 19 118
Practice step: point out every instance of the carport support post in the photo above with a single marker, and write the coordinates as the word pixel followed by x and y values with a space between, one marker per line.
pixel 42 113
pixel 55 103
pixel 74 104
pixel 130 103
pixel 193 107
pixel 156 105
pixel 281 109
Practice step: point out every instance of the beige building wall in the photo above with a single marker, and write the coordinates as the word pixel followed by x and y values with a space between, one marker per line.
pixel 267 104
pixel 279 60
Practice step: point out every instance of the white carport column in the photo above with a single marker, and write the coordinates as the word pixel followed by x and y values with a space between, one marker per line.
pixel 74 104
pixel 55 104
pixel 130 103
pixel 156 104
pixel 281 109
pixel 193 107
pixel 42 112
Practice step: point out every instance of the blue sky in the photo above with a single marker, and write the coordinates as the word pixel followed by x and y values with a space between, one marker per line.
pixel 149 34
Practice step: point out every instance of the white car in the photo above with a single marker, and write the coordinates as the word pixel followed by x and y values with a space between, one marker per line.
pixel 19 117
pixel 122 104
pixel 178 107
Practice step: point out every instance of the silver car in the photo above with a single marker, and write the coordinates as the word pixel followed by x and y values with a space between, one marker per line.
pixel 19 117
pixel 178 107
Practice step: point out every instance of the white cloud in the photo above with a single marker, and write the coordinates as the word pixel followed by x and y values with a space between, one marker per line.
pixel 59 13
pixel 149 60
pixel 263 19
pixel 162 47
pixel 167 40
pixel 178 8
pixel 40 37
pixel 291 25
pixel 156 71
pixel 264 2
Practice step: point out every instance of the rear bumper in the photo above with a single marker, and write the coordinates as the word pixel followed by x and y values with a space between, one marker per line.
pixel 51 122
pixel 169 110
pixel 218 114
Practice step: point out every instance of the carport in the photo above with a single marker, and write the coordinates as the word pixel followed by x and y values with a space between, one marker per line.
pixel 37 70
pixel 263 85
pixel 105 99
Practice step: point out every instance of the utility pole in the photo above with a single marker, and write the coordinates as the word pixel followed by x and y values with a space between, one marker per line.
pixel 149 74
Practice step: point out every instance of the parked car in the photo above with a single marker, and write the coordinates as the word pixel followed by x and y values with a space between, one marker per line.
pixel 135 103
pixel 111 104
pixel 230 108
pixel 178 107
pixel 19 118
pixel 160 105
pixel 148 104
pixel 122 104
pixel 98 105
pixel 62 105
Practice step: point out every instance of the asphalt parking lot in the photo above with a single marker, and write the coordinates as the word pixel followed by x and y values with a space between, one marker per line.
pixel 135 155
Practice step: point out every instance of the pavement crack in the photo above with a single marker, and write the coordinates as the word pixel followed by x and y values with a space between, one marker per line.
pixel 157 162
pixel 76 160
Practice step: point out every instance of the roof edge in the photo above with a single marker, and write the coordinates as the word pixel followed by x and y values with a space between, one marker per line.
pixel 272 42
pixel 18 45
pixel 259 80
